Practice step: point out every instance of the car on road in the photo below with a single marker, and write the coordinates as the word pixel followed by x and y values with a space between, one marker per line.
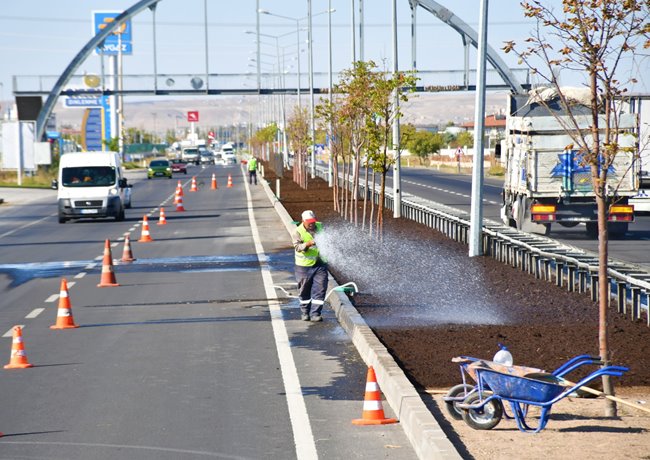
pixel 190 154
pixel 229 159
pixel 179 166
pixel 206 157
pixel 159 167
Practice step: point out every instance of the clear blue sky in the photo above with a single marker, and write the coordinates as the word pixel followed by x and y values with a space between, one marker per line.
pixel 40 37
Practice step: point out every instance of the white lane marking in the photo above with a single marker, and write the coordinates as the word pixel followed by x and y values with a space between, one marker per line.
pixel 98 258
pixel 35 312
pixel 114 244
pixel 52 298
pixel 91 266
pixel 71 283
pixel 10 332
pixel 300 424
pixel 451 192
pixel 27 225
pixel 80 275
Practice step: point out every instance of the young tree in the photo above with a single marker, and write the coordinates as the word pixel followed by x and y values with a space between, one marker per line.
pixel 300 140
pixel 594 38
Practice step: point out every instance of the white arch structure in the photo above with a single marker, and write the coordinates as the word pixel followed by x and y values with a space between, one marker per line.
pixel 442 13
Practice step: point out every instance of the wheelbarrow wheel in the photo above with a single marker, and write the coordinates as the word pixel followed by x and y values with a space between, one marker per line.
pixel 458 391
pixel 486 417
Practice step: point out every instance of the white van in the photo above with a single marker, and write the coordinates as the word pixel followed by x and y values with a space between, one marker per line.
pixel 91 185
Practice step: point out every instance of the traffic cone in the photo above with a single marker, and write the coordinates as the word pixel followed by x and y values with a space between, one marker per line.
pixel 179 188
pixel 64 319
pixel 193 187
pixel 145 237
pixel 18 358
pixel 127 254
pixel 179 204
pixel 214 182
pixel 373 413
pixel 108 276
pixel 162 220
pixel 229 181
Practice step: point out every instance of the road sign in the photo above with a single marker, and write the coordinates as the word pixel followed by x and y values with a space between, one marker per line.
pixel 123 33
pixel 82 101
pixel 193 116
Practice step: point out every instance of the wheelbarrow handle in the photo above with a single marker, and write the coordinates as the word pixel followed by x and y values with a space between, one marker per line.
pixel 576 362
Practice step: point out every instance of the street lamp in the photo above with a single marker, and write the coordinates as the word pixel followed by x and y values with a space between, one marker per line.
pixel 297 21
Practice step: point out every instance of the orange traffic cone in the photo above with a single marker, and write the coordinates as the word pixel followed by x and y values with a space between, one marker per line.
pixel 214 182
pixel 162 220
pixel 108 276
pixel 179 189
pixel 127 254
pixel 18 358
pixel 64 319
pixel 179 204
pixel 373 413
pixel 193 187
pixel 145 237
pixel 229 181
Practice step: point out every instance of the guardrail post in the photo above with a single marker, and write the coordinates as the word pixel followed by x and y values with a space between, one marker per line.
pixel 582 281
pixel 621 297
pixel 594 286
pixel 571 278
pixel 636 302
pixel 559 273
pixel 535 265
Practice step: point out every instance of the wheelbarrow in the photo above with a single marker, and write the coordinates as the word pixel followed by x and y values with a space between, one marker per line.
pixel 538 389
pixel 468 365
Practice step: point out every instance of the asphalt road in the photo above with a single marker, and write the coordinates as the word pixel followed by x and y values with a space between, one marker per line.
pixel 190 357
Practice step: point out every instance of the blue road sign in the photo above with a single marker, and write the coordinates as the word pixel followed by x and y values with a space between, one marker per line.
pixel 101 19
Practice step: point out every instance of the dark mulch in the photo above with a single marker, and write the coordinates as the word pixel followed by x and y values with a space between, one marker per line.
pixel 549 325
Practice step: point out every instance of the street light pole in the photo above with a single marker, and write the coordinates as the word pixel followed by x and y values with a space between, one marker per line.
pixel 476 205
pixel 397 185
pixel 329 93
pixel 311 91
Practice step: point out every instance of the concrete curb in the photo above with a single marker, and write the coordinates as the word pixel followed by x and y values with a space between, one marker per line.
pixel 421 428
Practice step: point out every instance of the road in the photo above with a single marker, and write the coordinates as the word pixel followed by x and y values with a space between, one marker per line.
pixel 455 190
pixel 190 357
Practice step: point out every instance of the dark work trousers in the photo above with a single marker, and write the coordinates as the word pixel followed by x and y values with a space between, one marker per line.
pixel 252 177
pixel 312 287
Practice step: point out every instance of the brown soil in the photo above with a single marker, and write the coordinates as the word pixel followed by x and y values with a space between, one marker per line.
pixel 547 327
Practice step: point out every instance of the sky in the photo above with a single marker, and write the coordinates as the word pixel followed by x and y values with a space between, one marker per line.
pixel 38 38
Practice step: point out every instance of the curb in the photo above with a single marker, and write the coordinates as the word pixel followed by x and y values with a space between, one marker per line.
pixel 423 431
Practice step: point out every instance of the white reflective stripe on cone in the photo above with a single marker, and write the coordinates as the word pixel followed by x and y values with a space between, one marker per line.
pixel 372 405
pixel 372 386
pixel 63 312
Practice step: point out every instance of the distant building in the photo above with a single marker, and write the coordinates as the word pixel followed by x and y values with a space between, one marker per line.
pixel 495 128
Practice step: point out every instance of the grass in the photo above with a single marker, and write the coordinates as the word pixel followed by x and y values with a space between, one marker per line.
pixel 42 179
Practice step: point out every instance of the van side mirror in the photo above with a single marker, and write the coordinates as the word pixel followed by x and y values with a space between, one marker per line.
pixel 54 184
pixel 122 183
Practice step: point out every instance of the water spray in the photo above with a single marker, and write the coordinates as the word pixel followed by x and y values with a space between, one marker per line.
pixel 285 292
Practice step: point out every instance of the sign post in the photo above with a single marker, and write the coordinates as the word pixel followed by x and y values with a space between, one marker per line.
pixel 193 117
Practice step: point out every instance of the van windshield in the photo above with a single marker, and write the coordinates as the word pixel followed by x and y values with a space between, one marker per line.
pixel 88 176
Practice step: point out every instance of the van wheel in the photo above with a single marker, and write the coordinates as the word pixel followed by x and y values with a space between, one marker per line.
pixel 120 216
pixel 62 220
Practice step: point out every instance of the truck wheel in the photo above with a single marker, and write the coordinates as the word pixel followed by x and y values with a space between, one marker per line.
pixel 62 220
pixel 617 228
pixel 592 229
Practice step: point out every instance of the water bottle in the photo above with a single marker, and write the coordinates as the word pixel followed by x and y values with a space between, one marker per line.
pixel 503 356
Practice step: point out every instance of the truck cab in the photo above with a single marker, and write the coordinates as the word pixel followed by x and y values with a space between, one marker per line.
pixel 91 185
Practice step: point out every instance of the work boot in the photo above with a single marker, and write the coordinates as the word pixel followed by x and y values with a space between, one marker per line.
pixel 304 317
pixel 316 318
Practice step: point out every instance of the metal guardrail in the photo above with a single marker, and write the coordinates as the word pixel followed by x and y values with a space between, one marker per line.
pixel 543 257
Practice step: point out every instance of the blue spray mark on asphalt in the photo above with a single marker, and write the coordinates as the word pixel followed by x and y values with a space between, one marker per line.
pixel 23 272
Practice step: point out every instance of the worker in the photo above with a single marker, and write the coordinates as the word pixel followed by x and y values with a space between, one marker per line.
pixel 252 170
pixel 311 268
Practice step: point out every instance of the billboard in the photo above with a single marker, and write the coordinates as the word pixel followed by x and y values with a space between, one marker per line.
pixel 123 33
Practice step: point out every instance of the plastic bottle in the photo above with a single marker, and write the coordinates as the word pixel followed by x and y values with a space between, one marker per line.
pixel 503 356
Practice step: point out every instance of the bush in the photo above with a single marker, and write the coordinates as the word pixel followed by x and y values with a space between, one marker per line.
pixel 496 170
